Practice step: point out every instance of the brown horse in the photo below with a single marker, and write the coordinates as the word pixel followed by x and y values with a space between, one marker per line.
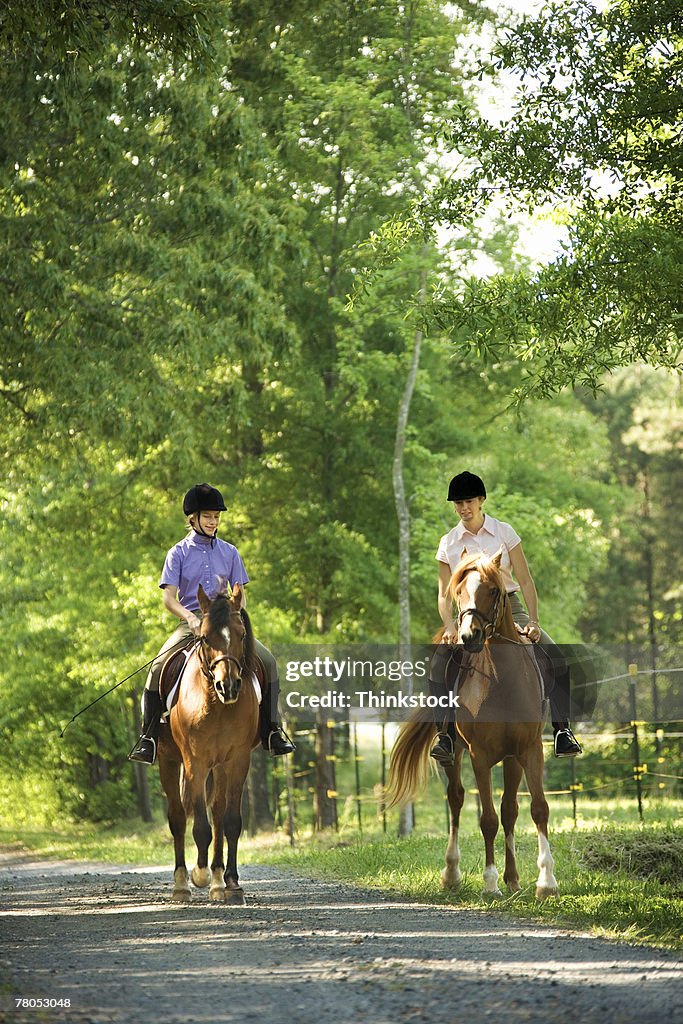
pixel 500 718
pixel 205 749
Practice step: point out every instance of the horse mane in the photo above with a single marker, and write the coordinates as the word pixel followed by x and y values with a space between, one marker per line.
pixel 219 613
pixel 249 646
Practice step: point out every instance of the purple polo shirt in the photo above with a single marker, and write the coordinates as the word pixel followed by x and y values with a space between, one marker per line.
pixel 194 560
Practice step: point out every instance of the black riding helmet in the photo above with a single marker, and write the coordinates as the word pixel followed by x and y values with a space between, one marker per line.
pixel 203 498
pixel 465 486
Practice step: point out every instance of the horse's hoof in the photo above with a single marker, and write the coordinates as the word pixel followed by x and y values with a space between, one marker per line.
pixel 513 886
pixel 235 898
pixel 492 894
pixel 201 877
pixel 450 880
pixel 544 892
pixel 218 895
pixel 181 896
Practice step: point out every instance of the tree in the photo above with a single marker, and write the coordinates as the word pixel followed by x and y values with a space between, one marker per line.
pixel 140 285
pixel 595 131
pixel 58 32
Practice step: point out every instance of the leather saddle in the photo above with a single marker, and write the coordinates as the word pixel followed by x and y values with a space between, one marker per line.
pixel 171 674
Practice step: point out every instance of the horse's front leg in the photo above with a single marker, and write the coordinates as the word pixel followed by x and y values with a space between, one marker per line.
pixel 217 892
pixel 509 809
pixel 451 876
pixel 169 772
pixel 201 830
pixel 489 825
pixel 546 884
pixel 233 828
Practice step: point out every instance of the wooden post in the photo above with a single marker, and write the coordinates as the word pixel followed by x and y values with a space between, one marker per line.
pixel 638 768
pixel 357 759
pixel 384 777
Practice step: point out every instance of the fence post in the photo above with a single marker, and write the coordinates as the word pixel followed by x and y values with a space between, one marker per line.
pixel 357 760
pixel 638 768
pixel 384 778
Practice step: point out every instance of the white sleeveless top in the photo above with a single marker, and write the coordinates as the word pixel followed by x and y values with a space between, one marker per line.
pixel 493 536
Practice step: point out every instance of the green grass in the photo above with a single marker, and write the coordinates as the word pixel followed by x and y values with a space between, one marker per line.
pixel 617 877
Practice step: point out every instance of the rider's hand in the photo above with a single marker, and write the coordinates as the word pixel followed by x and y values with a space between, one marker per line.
pixel 193 622
pixel 450 635
pixel 533 631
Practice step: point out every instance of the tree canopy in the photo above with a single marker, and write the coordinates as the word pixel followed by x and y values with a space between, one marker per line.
pixel 178 240
pixel 595 136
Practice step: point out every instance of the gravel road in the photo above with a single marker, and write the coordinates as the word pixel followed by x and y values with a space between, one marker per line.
pixel 108 939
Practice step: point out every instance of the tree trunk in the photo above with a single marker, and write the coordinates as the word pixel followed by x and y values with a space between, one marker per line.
pixel 405 825
pixel 651 601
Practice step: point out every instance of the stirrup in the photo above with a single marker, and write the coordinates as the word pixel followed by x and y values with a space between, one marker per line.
pixel 566 743
pixel 279 743
pixel 443 750
pixel 141 751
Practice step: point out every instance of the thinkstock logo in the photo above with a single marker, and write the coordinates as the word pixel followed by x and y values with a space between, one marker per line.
pixel 358 682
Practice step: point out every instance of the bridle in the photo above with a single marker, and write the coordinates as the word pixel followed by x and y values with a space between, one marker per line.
pixel 487 625
pixel 208 667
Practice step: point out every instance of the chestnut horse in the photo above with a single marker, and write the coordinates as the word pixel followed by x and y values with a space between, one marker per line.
pixel 499 718
pixel 205 750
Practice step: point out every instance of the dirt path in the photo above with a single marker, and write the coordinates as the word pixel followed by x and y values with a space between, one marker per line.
pixel 109 940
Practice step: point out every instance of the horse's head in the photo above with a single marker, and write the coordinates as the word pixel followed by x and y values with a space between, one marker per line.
pixel 223 649
pixel 477 589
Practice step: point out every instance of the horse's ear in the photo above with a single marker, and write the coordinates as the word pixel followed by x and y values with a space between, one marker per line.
pixel 203 599
pixel 497 558
pixel 463 554
pixel 236 594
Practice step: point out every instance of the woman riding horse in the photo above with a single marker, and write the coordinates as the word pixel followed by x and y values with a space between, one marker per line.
pixel 201 558
pixel 480 533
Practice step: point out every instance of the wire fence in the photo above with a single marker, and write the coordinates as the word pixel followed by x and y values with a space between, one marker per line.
pixel 640 760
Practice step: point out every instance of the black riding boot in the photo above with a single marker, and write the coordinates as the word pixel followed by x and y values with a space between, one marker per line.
pixel 565 742
pixel 145 749
pixel 443 750
pixel 273 737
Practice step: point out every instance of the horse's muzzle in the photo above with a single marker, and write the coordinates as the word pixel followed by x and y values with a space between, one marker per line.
pixel 472 640
pixel 228 690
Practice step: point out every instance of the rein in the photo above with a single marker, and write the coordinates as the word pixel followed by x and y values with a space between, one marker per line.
pixel 490 630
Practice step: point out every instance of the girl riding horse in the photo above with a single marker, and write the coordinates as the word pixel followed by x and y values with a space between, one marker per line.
pixel 480 533
pixel 201 558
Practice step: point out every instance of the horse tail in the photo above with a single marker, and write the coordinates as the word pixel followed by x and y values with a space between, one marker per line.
pixel 185 792
pixel 409 764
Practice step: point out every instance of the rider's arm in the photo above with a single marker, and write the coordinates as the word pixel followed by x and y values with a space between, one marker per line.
pixel 450 635
pixel 174 606
pixel 524 578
